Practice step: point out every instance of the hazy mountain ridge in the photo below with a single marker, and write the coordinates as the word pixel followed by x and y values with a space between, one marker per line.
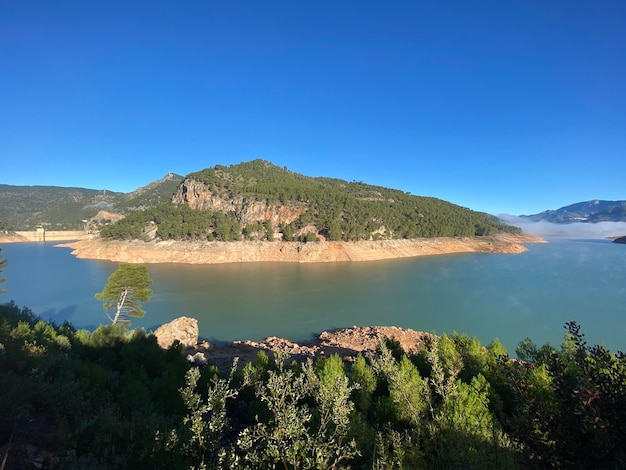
pixel 587 211
pixel 63 208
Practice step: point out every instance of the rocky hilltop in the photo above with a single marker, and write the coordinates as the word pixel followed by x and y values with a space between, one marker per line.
pixel 290 252
pixel 198 196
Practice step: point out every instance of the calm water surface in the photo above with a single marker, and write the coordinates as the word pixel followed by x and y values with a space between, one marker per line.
pixel 510 297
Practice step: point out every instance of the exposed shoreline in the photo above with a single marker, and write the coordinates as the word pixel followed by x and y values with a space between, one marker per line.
pixel 290 252
pixel 347 343
pixel 34 236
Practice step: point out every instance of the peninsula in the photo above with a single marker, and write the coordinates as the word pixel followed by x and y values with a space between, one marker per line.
pixel 259 212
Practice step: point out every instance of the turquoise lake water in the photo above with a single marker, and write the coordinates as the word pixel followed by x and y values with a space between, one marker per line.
pixel 510 297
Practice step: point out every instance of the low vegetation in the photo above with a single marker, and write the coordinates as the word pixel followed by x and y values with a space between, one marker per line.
pixel 112 398
pixel 176 223
pixel 336 209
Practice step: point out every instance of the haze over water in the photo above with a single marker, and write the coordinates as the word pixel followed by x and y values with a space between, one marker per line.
pixel 510 297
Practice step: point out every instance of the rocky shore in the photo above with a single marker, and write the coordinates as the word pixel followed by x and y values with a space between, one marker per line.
pixel 289 252
pixel 345 342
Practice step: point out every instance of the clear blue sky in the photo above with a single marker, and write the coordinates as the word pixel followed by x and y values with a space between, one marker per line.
pixel 500 106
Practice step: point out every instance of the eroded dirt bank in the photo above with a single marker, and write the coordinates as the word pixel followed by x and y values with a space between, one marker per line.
pixel 290 252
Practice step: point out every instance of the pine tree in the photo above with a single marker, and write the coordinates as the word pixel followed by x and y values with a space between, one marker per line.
pixel 126 288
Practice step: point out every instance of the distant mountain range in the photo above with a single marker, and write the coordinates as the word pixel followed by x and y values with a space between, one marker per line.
pixel 588 211
pixel 61 208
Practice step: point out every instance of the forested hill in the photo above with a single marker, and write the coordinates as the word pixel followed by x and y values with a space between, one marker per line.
pixel 259 200
pixel 62 208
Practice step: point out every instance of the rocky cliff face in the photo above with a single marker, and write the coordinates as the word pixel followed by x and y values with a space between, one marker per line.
pixel 197 196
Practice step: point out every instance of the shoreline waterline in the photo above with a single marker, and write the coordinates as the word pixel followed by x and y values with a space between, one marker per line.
pixel 290 252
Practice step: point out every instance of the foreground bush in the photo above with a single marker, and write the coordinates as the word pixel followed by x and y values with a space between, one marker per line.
pixel 113 399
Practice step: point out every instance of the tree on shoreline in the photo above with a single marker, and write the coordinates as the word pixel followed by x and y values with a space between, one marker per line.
pixel 126 288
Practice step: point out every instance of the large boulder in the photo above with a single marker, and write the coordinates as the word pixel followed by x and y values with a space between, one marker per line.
pixel 183 329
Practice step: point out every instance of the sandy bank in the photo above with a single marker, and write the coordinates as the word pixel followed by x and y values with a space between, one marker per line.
pixel 289 252
pixel 12 237
pixel 30 236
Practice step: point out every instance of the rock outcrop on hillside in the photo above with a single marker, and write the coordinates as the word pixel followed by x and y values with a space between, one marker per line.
pixel 198 196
